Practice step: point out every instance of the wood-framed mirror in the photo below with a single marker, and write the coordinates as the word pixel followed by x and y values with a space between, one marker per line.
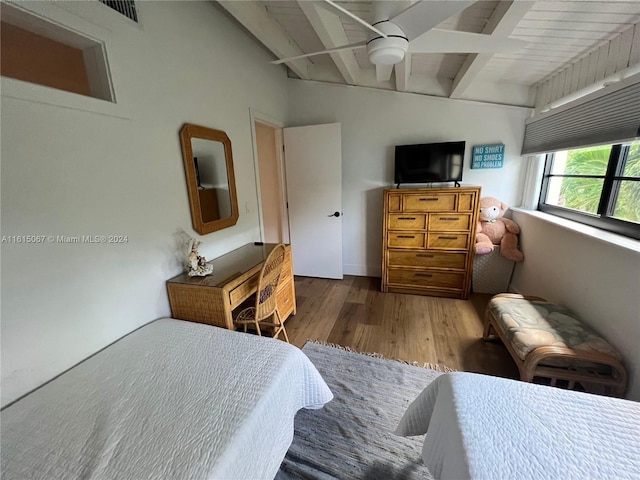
pixel 211 183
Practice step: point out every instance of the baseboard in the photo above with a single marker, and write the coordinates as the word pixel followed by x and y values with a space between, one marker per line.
pixel 362 270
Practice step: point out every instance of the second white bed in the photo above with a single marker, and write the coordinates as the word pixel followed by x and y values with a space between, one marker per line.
pixel 484 427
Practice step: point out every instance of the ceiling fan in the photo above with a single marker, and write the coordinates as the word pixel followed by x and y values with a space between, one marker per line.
pixel 412 30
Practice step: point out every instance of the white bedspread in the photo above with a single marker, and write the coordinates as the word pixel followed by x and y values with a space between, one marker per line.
pixel 486 427
pixel 172 400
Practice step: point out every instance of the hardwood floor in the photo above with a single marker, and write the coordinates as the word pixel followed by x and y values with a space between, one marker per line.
pixel 354 313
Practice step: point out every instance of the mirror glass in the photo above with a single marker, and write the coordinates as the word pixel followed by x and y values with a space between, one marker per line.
pixel 208 163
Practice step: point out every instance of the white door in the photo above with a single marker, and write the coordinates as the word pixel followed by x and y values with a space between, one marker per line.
pixel 313 165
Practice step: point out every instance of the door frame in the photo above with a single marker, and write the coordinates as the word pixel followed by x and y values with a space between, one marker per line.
pixel 260 117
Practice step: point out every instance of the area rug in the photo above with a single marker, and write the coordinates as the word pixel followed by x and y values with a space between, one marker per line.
pixel 352 436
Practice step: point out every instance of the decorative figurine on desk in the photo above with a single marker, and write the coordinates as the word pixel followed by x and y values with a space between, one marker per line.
pixel 197 265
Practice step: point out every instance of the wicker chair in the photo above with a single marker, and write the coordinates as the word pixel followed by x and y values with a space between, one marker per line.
pixel 265 313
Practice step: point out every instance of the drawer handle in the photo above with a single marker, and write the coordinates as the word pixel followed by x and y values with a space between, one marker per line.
pixel 424 255
pixel 428 199
pixel 406 236
pixel 449 219
pixel 427 275
pixel 406 218
pixel 447 238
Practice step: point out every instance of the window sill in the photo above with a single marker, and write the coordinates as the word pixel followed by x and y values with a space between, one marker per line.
pixel 595 233
pixel 18 89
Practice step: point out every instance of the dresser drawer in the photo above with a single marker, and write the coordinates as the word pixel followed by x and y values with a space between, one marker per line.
pixel 425 278
pixel 405 240
pixel 244 290
pixel 449 221
pixel 398 258
pixel 285 300
pixel 467 201
pixel 404 221
pixel 286 275
pixel 448 241
pixel 394 202
pixel 443 202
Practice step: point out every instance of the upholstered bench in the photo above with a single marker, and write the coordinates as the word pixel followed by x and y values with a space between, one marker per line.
pixel 549 342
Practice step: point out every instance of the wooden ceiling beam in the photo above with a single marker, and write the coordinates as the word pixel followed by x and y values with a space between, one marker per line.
pixel 403 71
pixel 502 22
pixel 255 18
pixel 331 33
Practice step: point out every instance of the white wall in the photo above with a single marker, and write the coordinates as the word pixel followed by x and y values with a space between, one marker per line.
pixel 72 171
pixel 598 280
pixel 69 171
pixel 373 122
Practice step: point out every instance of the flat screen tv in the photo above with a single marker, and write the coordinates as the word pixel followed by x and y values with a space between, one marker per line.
pixel 429 162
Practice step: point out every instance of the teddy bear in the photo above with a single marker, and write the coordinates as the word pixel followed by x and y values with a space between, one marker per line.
pixel 494 229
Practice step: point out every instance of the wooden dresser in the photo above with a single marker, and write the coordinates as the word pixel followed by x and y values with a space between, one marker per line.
pixel 427 241
pixel 213 298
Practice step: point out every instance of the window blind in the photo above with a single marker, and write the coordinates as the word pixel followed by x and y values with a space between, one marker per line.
pixel 610 118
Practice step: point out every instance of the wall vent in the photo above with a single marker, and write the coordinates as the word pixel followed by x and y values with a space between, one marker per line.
pixel 125 7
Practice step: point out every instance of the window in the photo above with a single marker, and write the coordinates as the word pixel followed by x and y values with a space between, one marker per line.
pixel 597 186
pixel 38 51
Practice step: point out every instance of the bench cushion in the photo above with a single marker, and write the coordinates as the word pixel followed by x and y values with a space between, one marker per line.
pixel 530 324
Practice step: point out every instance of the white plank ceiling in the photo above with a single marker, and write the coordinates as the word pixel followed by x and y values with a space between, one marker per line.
pixel 570 45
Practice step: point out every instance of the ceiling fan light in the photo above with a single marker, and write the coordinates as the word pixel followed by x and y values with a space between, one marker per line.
pixel 387 51
pixel 386 56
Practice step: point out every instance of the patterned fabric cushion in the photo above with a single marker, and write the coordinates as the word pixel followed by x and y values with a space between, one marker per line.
pixel 531 324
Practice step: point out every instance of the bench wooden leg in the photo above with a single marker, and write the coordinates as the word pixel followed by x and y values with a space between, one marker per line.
pixel 486 333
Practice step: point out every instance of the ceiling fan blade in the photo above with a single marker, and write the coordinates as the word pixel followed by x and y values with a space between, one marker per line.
pixel 355 17
pixel 352 46
pixel 424 15
pixel 383 72
pixel 452 41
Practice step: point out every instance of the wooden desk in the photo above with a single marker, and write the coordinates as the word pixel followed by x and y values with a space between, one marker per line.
pixel 211 299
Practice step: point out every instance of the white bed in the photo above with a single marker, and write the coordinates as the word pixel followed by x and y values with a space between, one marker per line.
pixel 485 427
pixel 172 400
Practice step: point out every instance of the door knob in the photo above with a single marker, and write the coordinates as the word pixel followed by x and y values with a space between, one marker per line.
pixel 334 214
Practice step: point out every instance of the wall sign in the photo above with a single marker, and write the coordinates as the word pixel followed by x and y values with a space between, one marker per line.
pixel 488 156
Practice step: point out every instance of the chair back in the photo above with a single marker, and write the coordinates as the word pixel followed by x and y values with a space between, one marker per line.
pixel 268 283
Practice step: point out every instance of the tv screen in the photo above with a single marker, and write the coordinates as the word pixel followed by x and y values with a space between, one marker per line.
pixel 429 162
